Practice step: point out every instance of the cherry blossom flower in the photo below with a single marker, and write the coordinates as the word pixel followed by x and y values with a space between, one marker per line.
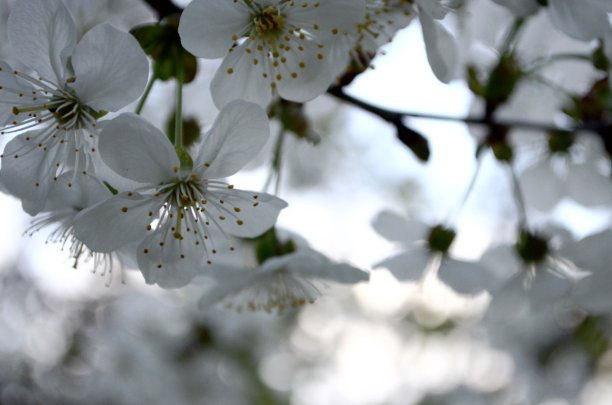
pixel 580 176
pixel 68 196
pixel 355 50
pixel 584 20
pixel 293 277
pixel 268 46
pixel 177 207
pixel 74 84
pixel 427 251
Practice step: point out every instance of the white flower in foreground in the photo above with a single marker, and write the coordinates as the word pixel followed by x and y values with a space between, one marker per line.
pixel 428 251
pixel 268 46
pixel 75 84
pixel 383 18
pixel 584 20
pixel 282 282
pixel 175 210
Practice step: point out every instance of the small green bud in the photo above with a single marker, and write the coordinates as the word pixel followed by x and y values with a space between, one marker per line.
pixel 531 248
pixel 440 239
pixel 560 141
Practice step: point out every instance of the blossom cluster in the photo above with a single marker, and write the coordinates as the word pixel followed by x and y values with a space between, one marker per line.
pixel 117 188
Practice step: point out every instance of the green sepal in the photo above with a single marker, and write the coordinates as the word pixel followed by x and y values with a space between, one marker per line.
pixel 440 239
pixel 111 188
pixel 268 246
pixel 184 158
pixel 502 80
pixel 531 248
pixel 474 82
pixel 560 141
pixel 599 59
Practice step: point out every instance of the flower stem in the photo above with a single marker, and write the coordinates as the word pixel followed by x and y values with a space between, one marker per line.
pixel 145 95
pixel 180 78
pixel 468 191
pixel 518 198
pixel 276 162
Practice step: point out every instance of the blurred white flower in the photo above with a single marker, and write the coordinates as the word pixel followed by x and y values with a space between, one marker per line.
pixel 75 84
pixel 440 45
pixel 292 276
pixel 592 293
pixel 428 251
pixel 269 46
pixel 177 205
pixel 561 175
pixel 584 20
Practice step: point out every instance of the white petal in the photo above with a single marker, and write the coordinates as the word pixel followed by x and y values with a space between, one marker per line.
pixel 113 223
pixel 541 186
pixel 591 253
pixel 579 19
pixel 312 264
pixel 237 135
pixel 329 15
pixel 8 99
pixel 465 277
pixel 433 8
pixel 441 48
pixel 396 228
pixel 167 261
pixel 241 214
pixel 137 150
pixel 305 74
pixel 38 32
pixel 593 293
pixel 76 191
pixel 242 75
pixel 207 26
pixel 407 266
pixel 110 67
pixel 586 185
pixel 26 172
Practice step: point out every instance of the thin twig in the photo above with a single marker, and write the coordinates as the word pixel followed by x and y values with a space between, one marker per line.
pixel 164 8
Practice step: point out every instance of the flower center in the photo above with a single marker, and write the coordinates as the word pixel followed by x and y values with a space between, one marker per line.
pixel 269 22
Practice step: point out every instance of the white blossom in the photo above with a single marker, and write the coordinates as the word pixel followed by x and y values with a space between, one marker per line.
pixel 583 20
pixel 268 46
pixel 69 195
pixel 421 257
pixel 280 282
pixel 175 209
pixel 74 84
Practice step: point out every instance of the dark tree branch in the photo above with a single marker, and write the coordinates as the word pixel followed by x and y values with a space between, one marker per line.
pixel 396 117
pixel 164 8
